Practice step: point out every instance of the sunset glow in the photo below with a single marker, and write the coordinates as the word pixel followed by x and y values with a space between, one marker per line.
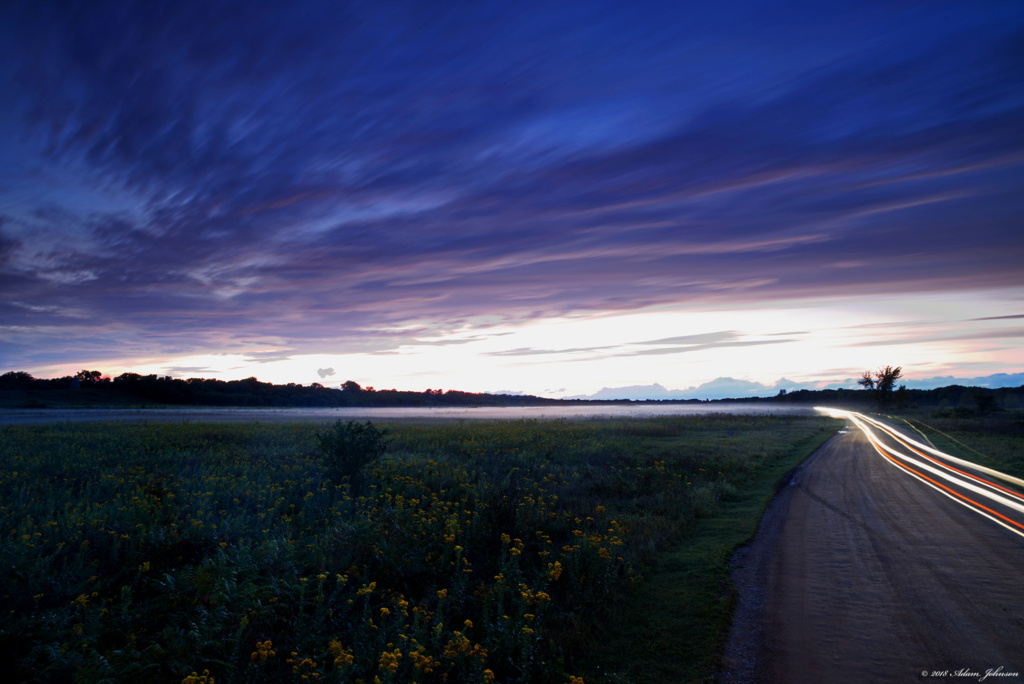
pixel 537 357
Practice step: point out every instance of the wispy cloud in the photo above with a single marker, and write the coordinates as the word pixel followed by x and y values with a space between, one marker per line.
pixel 317 172
pixel 190 371
pixel 702 347
pixel 998 318
pixel 702 338
pixel 530 351
pixel 988 334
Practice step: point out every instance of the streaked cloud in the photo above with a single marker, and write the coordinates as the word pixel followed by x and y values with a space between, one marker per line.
pixel 369 178
pixel 998 318
pixel 701 347
pixel 990 334
pixel 191 371
pixel 529 351
pixel 703 338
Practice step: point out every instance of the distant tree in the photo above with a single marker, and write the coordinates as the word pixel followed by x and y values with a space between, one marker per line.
pixel 866 381
pixel 87 377
pixel 885 379
pixel 351 386
pixel 16 379
pixel 883 383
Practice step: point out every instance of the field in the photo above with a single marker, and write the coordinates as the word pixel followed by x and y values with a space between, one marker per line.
pixel 472 552
pixel 992 440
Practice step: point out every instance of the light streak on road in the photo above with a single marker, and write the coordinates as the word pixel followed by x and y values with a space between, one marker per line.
pixel 1003 505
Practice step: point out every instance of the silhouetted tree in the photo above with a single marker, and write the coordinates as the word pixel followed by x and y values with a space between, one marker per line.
pixel 885 379
pixel 88 377
pixel 883 383
pixel 16 379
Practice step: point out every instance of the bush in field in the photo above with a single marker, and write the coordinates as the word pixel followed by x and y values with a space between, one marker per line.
pixel 348 447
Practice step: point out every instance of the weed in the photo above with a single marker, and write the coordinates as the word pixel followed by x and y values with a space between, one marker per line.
pixel 348 448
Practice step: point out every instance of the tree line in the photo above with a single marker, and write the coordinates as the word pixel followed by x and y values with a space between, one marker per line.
pixel 18 388
pixel 248 392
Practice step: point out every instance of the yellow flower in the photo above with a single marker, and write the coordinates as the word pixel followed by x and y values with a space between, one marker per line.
pixel 389 661
pixel 194 678
pixel 264 650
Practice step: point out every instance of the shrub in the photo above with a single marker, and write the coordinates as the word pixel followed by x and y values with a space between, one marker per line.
pixel 348 447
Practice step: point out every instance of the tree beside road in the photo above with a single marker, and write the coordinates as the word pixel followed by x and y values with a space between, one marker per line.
pixel 883 384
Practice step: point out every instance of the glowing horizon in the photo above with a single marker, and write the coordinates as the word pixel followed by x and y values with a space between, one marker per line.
pixel 794 341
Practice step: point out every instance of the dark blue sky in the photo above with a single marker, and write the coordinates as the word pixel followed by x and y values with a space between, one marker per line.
pixel 328 177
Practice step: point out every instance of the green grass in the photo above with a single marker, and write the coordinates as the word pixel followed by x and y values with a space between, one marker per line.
pixel 473 552
pixel 992 440
pixel 673 626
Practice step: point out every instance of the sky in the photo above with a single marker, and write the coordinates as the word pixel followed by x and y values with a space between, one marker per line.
pixel 548 198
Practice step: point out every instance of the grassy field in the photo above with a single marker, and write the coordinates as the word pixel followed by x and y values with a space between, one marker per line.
pixel 993 440
pixel 471 552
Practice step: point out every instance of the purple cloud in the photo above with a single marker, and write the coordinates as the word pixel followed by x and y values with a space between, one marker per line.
pixel 194 177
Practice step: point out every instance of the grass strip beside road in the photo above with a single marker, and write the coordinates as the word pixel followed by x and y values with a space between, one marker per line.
pixel 674 625
pixel 992 440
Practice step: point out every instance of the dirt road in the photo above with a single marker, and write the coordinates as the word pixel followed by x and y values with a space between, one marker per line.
pixel 861 573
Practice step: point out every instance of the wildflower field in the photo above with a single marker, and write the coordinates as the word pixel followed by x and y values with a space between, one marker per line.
pixel 468 552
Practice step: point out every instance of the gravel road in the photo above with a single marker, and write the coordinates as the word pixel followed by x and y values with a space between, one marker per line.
pixel 860 573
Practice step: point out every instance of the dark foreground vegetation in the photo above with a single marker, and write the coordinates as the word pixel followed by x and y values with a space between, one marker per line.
pixel 453 552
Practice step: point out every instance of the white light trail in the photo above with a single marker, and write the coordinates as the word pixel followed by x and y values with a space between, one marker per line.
pixel 995 493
